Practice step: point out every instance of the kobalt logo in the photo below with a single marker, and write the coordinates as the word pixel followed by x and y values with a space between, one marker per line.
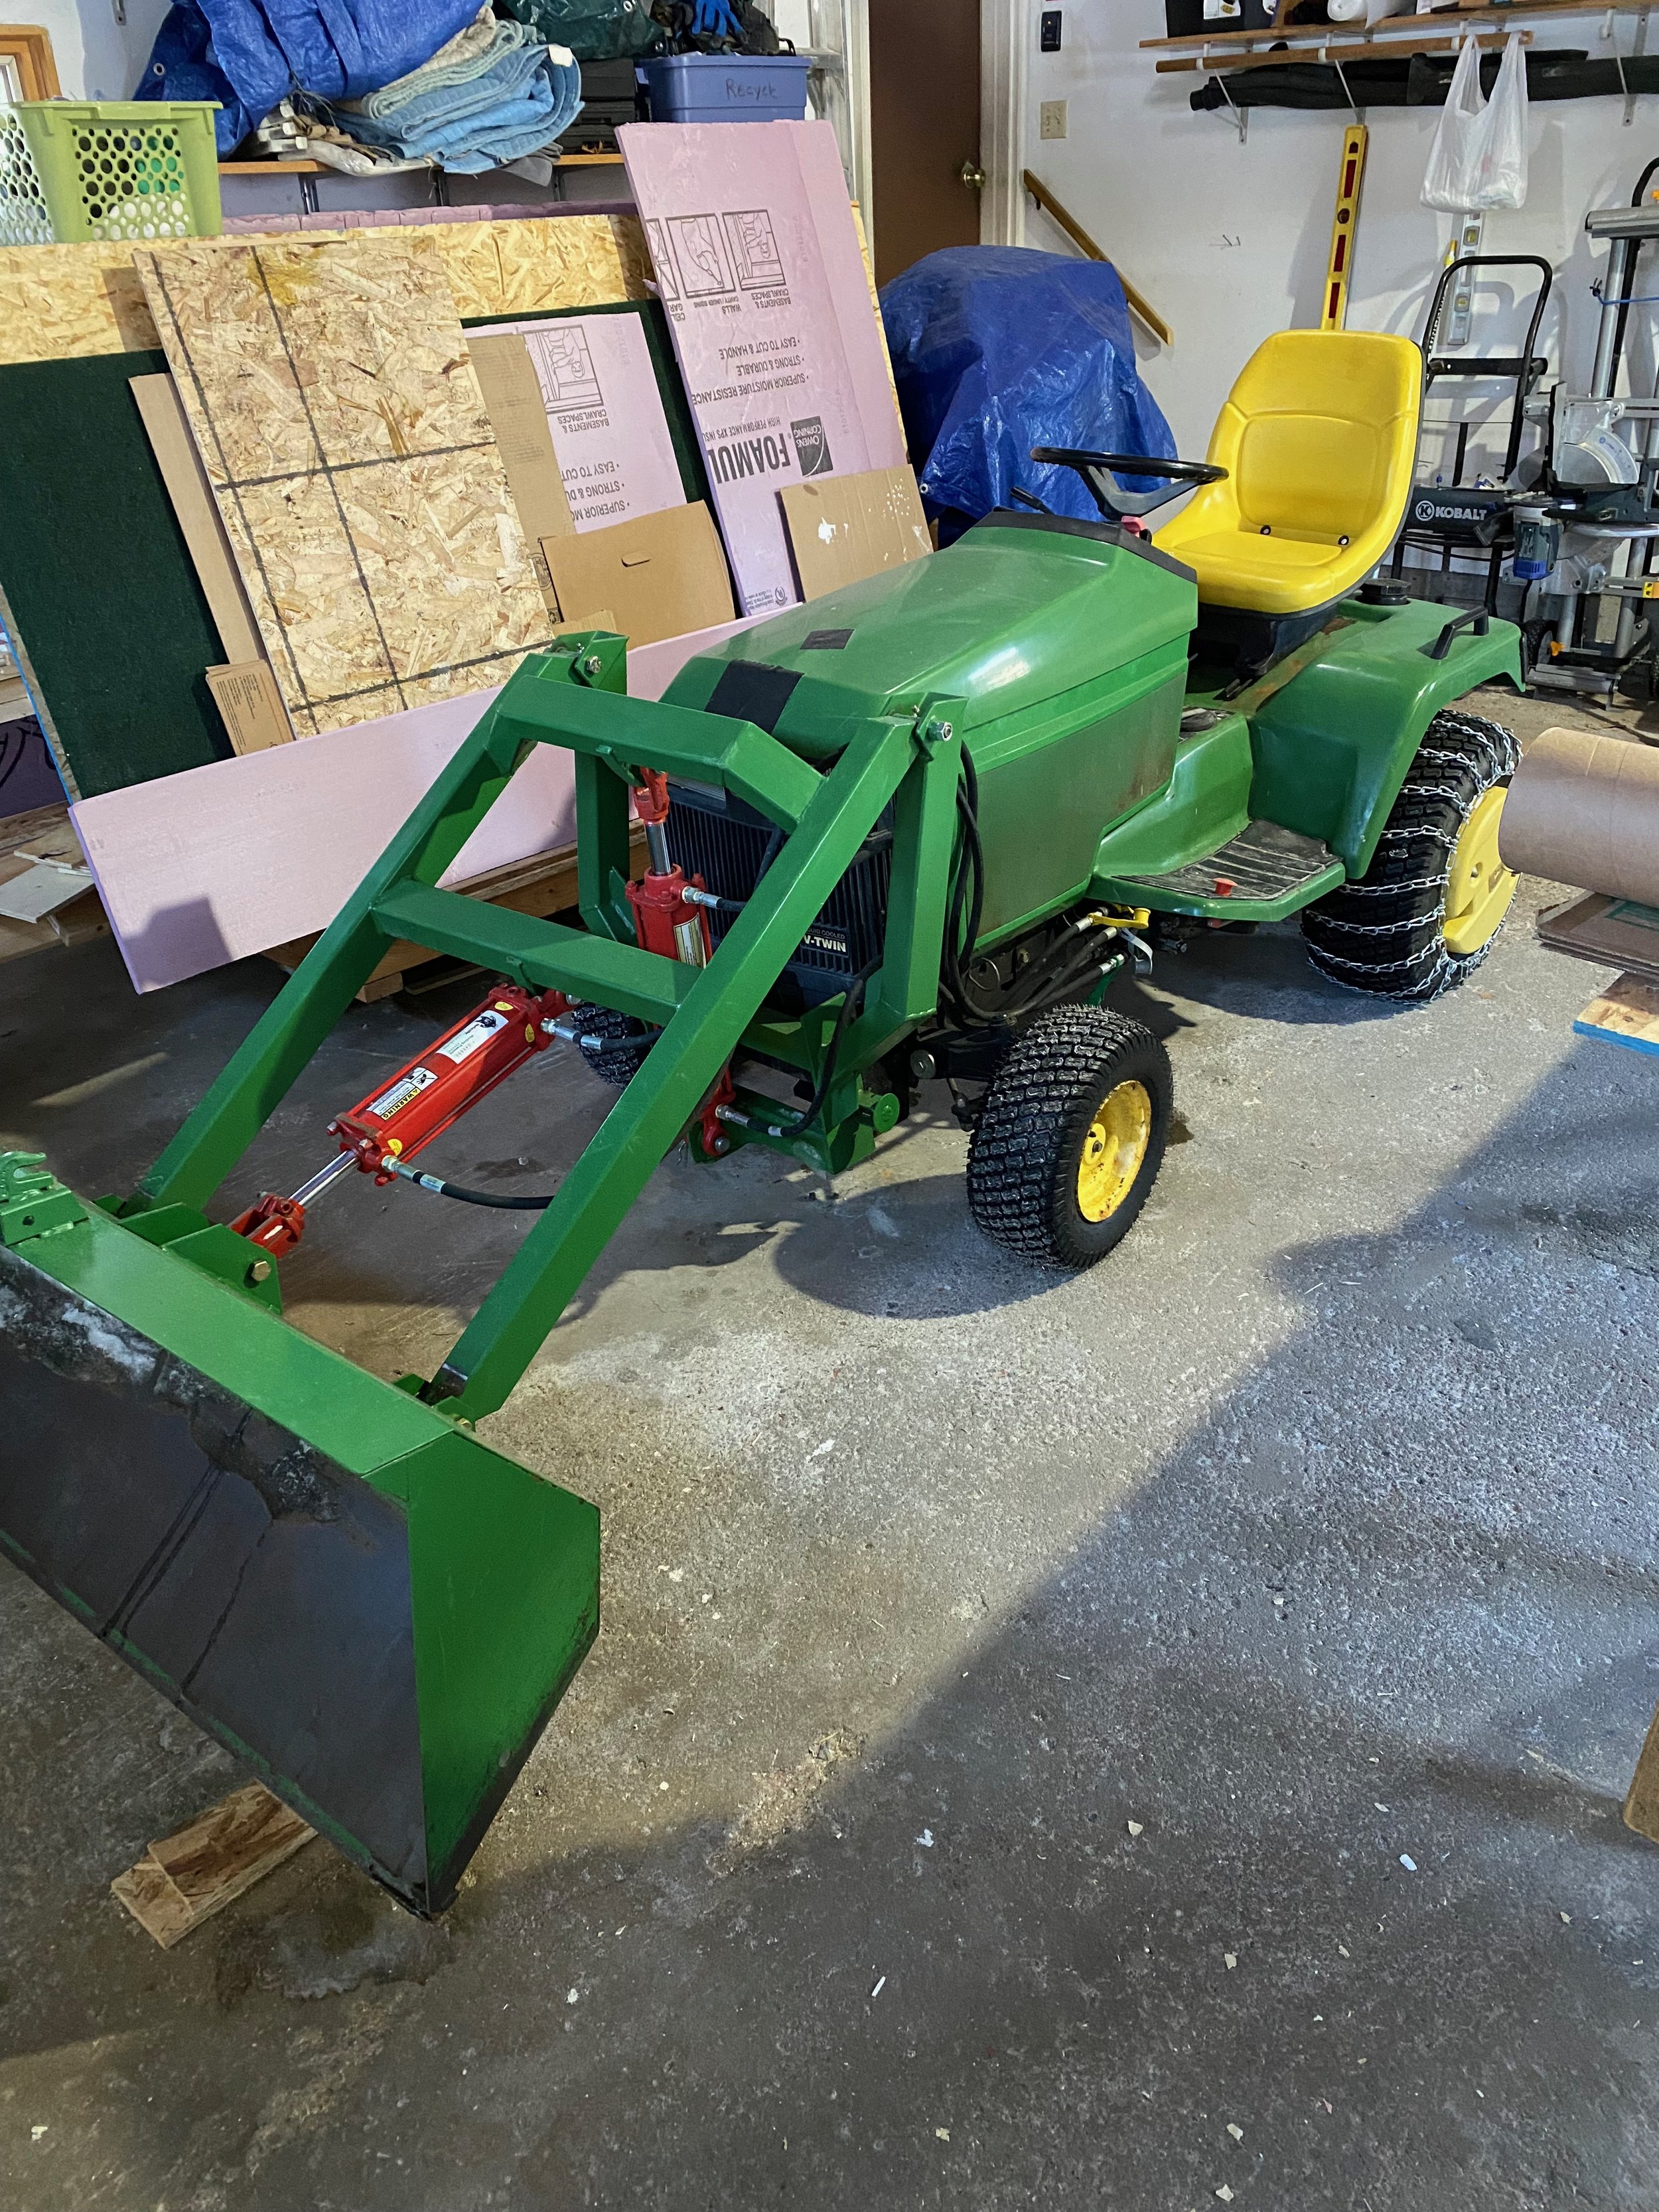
pixel 1429 510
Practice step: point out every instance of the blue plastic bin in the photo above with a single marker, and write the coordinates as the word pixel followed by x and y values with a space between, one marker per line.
pixel 726 87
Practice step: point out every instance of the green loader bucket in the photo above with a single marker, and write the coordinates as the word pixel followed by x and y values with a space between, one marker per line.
pixel 373 1609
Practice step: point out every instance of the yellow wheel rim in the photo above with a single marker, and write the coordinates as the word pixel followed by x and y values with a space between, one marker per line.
pixel 1480 887
pixel 1113 1151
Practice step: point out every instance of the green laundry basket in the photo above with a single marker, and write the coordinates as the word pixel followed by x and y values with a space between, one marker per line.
pixel 77 169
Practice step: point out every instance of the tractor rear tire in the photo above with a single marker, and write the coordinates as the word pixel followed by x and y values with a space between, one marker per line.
pixel 616 1068
pixel 1071 1136
pixel 1426 912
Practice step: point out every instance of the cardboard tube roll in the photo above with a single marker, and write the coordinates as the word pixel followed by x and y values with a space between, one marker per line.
pixel 1584 810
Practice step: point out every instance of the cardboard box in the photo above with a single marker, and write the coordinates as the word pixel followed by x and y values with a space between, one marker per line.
pixel 842 529
pixel 245 694
pixel 513 400
pixel 658 575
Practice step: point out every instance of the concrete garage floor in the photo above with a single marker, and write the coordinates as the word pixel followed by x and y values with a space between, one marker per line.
pixel 1120 1740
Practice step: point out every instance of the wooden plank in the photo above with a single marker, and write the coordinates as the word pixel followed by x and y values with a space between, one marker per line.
pixel 1371 50
pixel 1332 33
pixel 187 1877
pixel 330 396
pixel 199 516
pixel 1627 1012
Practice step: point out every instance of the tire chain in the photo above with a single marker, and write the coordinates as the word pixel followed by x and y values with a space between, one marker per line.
pixel 1483 754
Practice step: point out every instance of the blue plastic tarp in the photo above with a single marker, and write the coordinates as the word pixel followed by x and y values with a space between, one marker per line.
pixel 249 55
pixel 997 349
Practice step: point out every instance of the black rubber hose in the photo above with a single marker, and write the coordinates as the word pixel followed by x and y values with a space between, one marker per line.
pixel 852 999
pixel 1062 968
pixel 440 1189
pixel 972 856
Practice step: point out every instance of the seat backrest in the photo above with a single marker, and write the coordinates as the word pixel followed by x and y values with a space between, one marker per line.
pixel 1320 432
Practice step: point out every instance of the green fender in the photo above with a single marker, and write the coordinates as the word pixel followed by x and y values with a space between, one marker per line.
pixel 1332 741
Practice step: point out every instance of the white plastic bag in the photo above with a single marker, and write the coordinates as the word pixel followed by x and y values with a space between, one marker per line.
pixel 1478 158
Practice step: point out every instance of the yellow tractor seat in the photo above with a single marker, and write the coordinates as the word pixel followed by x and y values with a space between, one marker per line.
pixel 1318 437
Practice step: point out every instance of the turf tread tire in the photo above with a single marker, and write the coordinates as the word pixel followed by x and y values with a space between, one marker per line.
pixel 1026 1144
pixel 616 1068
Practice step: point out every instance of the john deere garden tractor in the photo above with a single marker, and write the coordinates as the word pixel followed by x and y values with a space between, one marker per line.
pixel 911 829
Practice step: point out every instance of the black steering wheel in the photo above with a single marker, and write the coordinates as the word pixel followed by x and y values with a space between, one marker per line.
pixel 1109 496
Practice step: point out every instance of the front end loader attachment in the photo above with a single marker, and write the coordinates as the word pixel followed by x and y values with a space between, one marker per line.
pixel 372 1609
pixel 331 1573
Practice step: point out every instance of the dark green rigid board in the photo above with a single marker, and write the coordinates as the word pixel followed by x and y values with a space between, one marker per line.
pixel 97 586
pixel 100 591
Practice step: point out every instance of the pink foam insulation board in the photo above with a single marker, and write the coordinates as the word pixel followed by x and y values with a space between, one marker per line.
pixel 606 414
pixel 758 266
pixel 222 861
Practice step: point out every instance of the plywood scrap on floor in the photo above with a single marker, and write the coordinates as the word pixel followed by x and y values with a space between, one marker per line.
pixel 187 1877
pixel 1627 1012
pixel 329 393
pixel 59 301
pixel 1642 1799
pixel 1613 932
pixel 44 840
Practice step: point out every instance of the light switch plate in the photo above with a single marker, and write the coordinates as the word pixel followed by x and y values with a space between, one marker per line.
pixel 1051 123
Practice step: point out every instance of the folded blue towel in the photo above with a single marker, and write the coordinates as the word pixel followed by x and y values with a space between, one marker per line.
pixel 518 104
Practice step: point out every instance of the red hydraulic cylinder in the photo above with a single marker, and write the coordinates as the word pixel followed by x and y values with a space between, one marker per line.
pixel 427 1096
pixel 431 1093
pixel 665 920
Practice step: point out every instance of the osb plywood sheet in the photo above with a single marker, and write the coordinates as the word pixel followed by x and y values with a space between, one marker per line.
pixel 529 268
pixel 58 301
pixel 328 389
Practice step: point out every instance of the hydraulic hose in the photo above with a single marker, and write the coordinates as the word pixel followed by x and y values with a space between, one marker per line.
pixel 852 1000
pixel 529 1204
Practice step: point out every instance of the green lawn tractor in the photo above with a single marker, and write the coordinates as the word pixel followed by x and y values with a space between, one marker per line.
pixel 909 830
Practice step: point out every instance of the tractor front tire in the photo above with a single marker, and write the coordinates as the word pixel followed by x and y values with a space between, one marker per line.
pixel 1424 914
pixel 616 1067
pixel 1071 1136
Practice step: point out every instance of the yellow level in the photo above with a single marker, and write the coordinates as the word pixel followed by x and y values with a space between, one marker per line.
pixel 1349 177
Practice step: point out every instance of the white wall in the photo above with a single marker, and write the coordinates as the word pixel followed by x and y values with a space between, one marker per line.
pixel 97 57
pixel 1229 242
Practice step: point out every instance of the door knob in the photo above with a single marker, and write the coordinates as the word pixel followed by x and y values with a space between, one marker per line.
pixel 972 175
